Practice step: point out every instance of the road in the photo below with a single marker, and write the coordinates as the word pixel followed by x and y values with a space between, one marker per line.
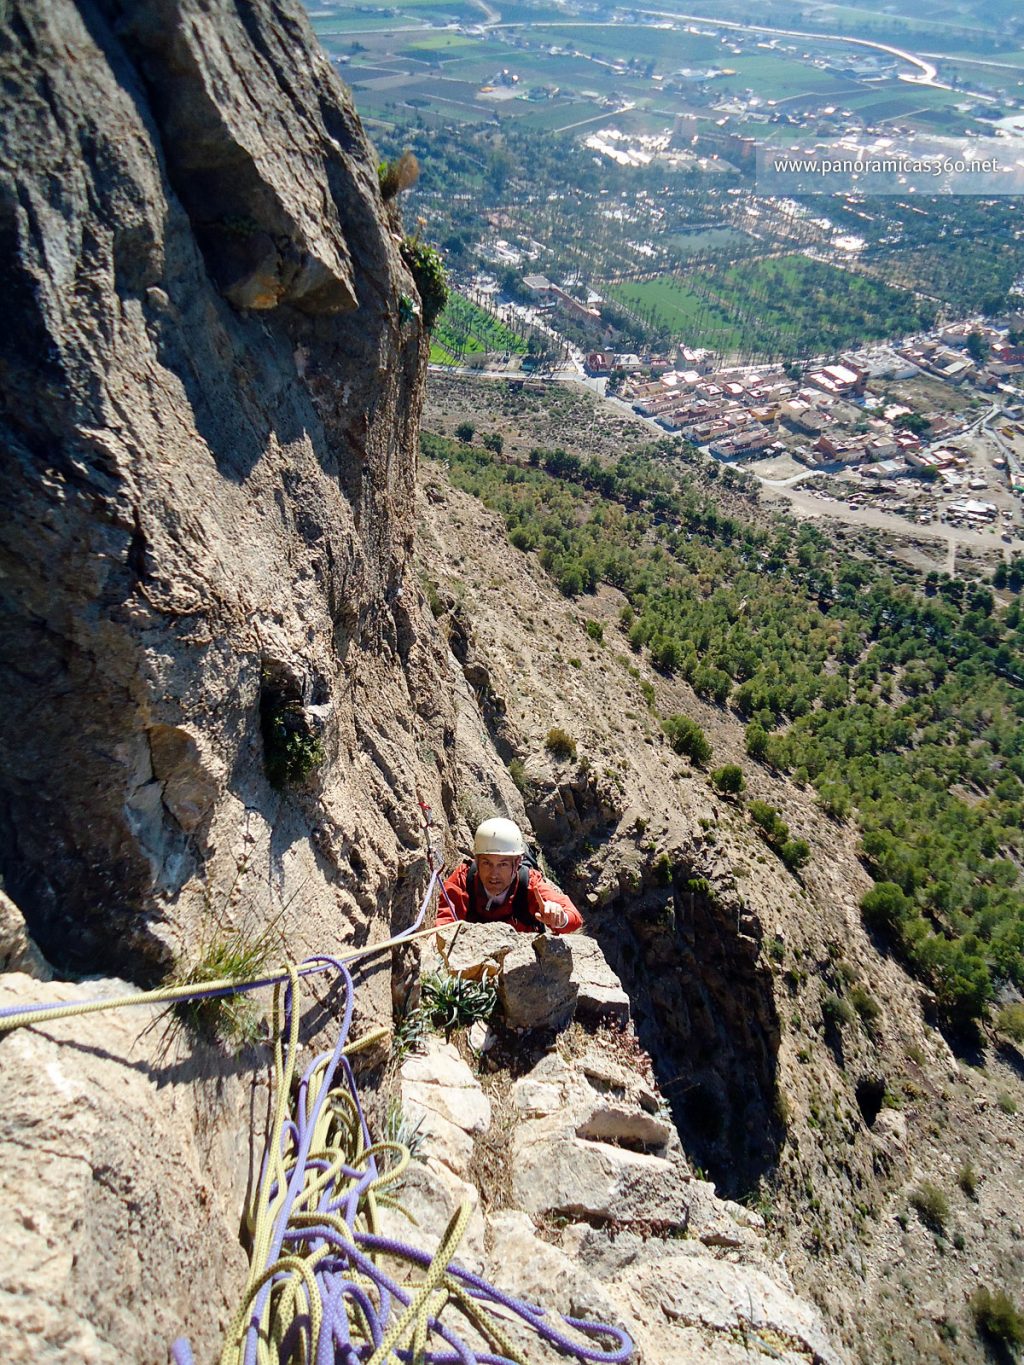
pixel 928 70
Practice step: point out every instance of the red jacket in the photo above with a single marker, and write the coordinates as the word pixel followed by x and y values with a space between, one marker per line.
pixel 538 890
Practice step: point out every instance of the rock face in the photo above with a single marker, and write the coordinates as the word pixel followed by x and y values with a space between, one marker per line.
pixel 631 1237
pixel 211 379
pixel 120 1199
pixel 211 373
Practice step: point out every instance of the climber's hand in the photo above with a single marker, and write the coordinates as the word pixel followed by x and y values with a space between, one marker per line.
pixel 553 915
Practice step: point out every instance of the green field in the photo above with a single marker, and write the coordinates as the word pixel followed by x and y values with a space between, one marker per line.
pixel 349 23
pixel 435 43
pixel 553 118
pixel 465 329
pixel 616 42
pixel 771 308
pixel 779 77
pixel 703 240
pixel 1013 60
pixel 882 27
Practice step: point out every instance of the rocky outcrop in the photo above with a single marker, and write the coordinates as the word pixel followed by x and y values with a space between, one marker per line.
pixel 211 369
pixel 17 951
pixel 121 1192
pixel 607 1221
pixel 542 981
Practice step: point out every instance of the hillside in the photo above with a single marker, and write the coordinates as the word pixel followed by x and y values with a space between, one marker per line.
pixel 794 1048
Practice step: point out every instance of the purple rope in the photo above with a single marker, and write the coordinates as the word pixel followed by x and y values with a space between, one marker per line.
pixel 334 1272
pixel 532 1314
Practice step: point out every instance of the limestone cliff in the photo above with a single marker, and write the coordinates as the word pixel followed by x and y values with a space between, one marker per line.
pixel 211 369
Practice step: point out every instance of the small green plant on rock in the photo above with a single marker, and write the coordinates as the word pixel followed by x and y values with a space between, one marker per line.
pixel 452 1002
pixel 230 955
pixel 399 1127
pixel 836 1011
pixel 1010 1021
pixel 427 269
pixel 560 743
pixel 662 869
pixel 517 772
pixel 931 1204
pixel 968 1180
pixel 866 1006
pixel 997 1317
pixel 291 749
pixel 409 1034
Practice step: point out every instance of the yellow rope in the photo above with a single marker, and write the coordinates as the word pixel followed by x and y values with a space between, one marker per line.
pixel 336 1142
pixel 164 995
pixel 420 1302
pixel 483 1322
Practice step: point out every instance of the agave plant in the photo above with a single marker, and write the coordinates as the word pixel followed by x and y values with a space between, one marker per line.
pixel 456 1002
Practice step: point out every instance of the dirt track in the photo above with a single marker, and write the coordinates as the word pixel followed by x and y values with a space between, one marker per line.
pixel 952 537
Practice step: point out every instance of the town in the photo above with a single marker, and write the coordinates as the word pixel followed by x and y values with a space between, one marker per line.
pixel 929 430
pixel 594 178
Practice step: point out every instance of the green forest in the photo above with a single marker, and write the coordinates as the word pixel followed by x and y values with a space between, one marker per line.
pixel 900 701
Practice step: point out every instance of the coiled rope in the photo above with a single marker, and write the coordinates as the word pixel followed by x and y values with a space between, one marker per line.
pixel 318 1292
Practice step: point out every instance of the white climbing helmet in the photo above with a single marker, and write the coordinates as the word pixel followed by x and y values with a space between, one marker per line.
pixel 499 836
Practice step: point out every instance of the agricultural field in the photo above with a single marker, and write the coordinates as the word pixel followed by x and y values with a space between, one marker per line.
pixel 465 329
pixel 778 77
pixel 884 27
pixel 556 118
pixel 954 24
pixel 702 241
pixel 771 308
pixel 667 48
pixel 348 24
pixel 643 65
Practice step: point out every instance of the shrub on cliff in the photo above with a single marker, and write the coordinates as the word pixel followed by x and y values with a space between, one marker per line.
pixel 931 1204
pixel 997 1317
pixel 396 176
pixel 728 779
pixel 560 743
pixel 291 751
pixel 428 271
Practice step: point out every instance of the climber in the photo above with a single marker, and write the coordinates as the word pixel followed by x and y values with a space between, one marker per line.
pixel 496 886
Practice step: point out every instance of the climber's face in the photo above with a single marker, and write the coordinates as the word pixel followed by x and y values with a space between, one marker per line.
pixel 496 873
